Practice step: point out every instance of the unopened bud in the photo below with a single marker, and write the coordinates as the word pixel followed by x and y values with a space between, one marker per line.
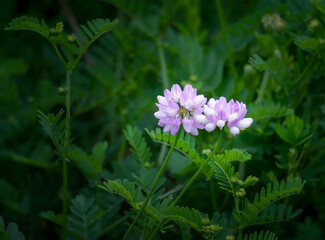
pixel 193 78
pixel 138 206
pixel 70 38
pixel 205 221
pixel 230 237
pixel 206 151
pixel 59 27
pixel 240 193
pixel 62 90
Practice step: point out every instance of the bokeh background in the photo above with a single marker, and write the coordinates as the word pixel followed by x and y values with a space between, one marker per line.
pixel 268 54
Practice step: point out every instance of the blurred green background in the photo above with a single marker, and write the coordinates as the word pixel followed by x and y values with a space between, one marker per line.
pixel 268 54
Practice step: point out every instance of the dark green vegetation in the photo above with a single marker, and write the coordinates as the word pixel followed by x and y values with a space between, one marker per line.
pixel 268 54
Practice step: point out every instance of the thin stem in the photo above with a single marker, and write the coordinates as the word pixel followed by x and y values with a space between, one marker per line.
pixel 59 55
pixel 225 38
pixel 66 147
pixel 162 168
pixel 236 203
pixel 165 84
pixel 213 195
pixel 216 147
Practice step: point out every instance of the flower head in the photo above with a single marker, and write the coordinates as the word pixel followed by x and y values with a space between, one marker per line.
pixel 220 113
pixel 178 107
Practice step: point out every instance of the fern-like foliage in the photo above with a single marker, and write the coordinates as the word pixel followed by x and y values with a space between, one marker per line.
pixel 90 165
pixel 268 110
pixel 192 217
pixel 253 213
pixel 185 143
pixel 126 189
pixel 310 44
pixel 258 236
pixel 51 216
pixel 139 146
pixel 83 218
pixel 278 71
pixel 11 232
pixel 55 129
pixel 235 155
pixel 186 215
pixel 223 172
pixel 72 47
pixel 31 24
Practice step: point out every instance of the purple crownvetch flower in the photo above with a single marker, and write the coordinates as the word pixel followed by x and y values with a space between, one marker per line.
pixel 220 113
pixel 178 107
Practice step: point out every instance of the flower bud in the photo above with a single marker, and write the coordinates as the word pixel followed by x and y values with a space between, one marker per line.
pixel 230 237
pixel 240 193
pixel 206 151
pixel 62 91
pixel 205 221
pixel 70 38
pixel 59 27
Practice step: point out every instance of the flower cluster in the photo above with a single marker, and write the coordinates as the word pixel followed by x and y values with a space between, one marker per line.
pixel 180 107
pixel 185 107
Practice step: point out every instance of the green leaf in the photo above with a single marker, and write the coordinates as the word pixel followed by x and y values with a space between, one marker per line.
pixel 51 216
pixel 11 233
pixel 185 144
pixel 85 214
pixel 258 236
pixel 72 50
pixel 296 132
pixel 31 24
pixel 223 172
pixel 55 129
pixel 258 212
pixel 92 165
pixel 188 216
pixel 139 146
pixel 235 155
pixel 126 189
pixel 268 110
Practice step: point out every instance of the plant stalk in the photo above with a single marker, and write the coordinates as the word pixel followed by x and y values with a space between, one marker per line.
pixel 66 147
pixel 225 38
pixel 195 176
pixel 216 148
pixel 165 84
pixel 162 168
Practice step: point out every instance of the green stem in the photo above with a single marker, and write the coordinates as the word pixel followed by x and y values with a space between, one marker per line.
pixel 213 196
pixel 225 38
pixel 59 55
pixel 216 147
pixel 66 147
pixel 162 168
pixel 165 84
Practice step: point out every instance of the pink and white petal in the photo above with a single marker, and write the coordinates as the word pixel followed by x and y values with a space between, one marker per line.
pixel 168 127
pixel 160 114
pixel 174 129
pixel 194 131
pixel 199 101
pixel 234 131
pixel 162 100
pixel 221 124
pixel 233 117
pixel 245 123
pixel 211 103
pixel 188 105
pixel 176 92
pixel 209 111
pixel 210 127
pixel 201 119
